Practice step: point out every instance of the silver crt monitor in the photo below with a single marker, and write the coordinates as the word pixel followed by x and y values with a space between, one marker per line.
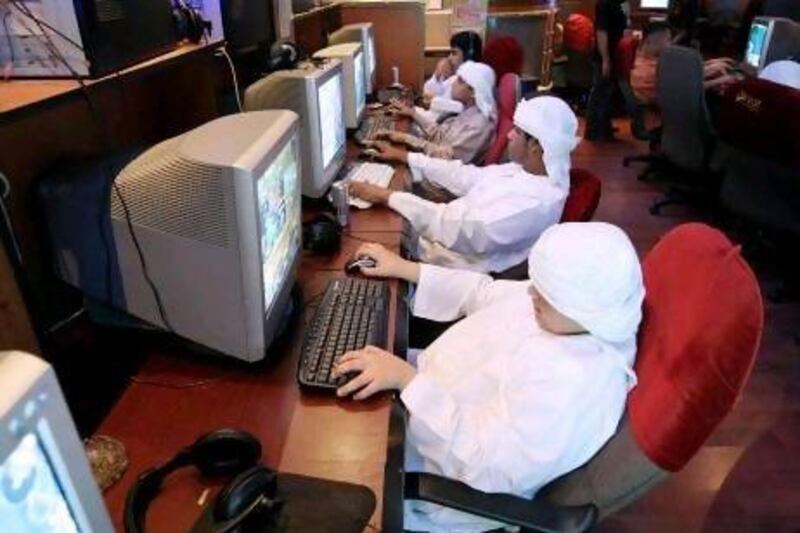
pixel 217 214
pixel 46 484
pixel 360 33
pixel 316 95
pixel 771 39
pixel 355 96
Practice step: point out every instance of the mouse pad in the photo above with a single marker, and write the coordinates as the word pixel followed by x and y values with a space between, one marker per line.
pixel 310 505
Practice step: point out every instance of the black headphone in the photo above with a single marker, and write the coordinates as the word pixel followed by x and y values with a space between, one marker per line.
pixel 189 22
pixel 323 235
pixel 225 452
pixel 283 55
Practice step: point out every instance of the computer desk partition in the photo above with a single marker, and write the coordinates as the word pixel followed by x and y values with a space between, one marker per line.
pixel 177 397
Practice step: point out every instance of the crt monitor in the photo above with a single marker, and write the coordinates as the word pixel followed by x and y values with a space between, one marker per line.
pixel 215 214
pixel 45 480
pixel 360 33
pixel 248 25
pixel 315 93
pixel 771 39
pixel 111 35
pixel 654 4
pixel 355 97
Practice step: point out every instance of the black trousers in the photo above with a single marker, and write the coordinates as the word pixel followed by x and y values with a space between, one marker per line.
pixel 598 112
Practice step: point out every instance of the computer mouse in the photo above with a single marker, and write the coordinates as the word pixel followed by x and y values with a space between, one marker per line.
pixel 354 265
pixel 370 152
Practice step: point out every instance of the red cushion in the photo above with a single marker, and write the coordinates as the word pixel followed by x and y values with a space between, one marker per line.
pixel 506 105
pixel 504 55
pixel 584 195
pixel 702 325
pixel 579 33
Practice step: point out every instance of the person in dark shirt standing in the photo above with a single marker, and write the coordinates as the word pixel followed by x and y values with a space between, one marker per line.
pixel 610 23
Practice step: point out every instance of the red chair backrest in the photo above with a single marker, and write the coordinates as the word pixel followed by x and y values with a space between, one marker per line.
pixel 702 325
pixel 507 98
pixel 504 55
pixel 583 198
pixel 626 56
pixel 579 33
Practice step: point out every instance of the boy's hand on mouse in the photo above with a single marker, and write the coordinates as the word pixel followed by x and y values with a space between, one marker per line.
pixel 387 264
pixel 369 192
pixel 378 370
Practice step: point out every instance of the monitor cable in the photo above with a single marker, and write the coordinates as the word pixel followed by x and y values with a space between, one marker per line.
pixel 100 127
pixel 221 51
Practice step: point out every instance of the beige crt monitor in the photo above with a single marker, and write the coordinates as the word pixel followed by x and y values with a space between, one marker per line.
pixel 315 93
pixel 216 214
pixel 363 33
pixel 45 480
pixel 355 96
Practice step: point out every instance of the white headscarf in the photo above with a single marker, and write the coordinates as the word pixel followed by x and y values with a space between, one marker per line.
pixel 784 72
pixel 589 272
pixel 551 121
pixel 481 78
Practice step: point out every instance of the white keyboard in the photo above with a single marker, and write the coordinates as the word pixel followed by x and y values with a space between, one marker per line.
pixel 373 173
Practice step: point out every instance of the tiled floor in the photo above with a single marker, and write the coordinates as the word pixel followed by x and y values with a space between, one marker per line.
pixel 747 476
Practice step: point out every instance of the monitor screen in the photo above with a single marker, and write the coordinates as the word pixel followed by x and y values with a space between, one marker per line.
pixel 279 213
pixel 331 118
pixel 756 43
pixel 31 499
pixel 361 92
pixel 654 4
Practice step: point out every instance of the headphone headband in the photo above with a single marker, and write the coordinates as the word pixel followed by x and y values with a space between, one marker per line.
pixel 224 452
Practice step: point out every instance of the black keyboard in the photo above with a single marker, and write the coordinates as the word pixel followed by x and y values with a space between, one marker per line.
pixel 353 314
pixel 370 126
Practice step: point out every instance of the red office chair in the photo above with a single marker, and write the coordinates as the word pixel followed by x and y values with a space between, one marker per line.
pixel 579 34
pixel 702 325
pixel 584 196
pixel 504 55
pixel 508 94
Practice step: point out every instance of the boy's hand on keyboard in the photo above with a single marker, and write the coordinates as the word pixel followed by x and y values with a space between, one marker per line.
pixel 387 152
pixel 378 370
pixel 387 264
pixel 369 192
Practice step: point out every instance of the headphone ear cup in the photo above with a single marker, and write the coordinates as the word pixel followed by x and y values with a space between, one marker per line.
pixel 242 492
pixel 225 452
pixel 322 235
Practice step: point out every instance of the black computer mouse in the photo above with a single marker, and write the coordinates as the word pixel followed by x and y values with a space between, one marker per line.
pixel 354 265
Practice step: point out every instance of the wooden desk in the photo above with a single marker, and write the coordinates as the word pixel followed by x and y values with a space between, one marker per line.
pixel 307 434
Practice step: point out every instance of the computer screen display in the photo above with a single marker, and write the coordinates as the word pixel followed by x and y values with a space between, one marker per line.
pixel 331 118
pixel 31 500
pixel 361 93
pixel 279 213
pixel 654 4
pixel 756 43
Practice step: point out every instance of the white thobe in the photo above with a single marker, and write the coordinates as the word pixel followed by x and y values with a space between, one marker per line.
pixel 500 404
pixel 498 215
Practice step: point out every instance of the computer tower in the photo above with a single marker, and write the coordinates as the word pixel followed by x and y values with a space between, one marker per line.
pixel 95 37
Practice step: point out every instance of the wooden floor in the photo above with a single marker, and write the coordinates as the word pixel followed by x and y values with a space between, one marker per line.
pixel 747 477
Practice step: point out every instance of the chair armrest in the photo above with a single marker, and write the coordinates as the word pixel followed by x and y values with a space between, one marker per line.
pixel 506 508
